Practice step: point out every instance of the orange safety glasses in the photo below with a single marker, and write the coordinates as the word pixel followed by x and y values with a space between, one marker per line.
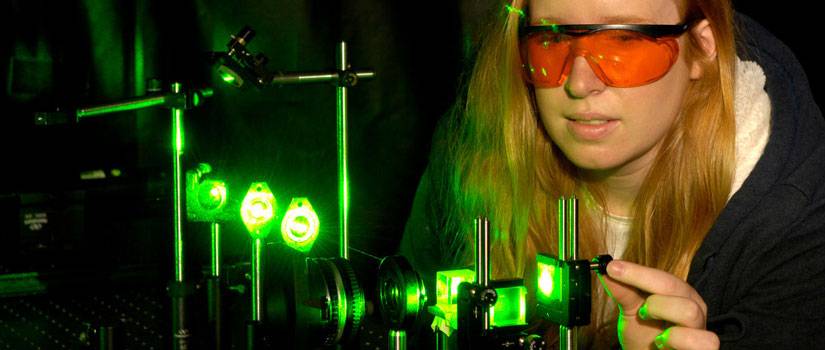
pixel 621 55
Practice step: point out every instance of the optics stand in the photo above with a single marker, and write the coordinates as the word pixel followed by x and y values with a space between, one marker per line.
pixel 568 250
pixel 205 202
pixel 402 298
pixel 563 291
pixel 238 66
pixel 178 100
pixel 258 214
pixel 213 286
pixel 476 301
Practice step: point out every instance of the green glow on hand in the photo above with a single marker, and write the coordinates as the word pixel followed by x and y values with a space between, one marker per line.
pixel 510 308
pixel 300 225
pixel 547 279
pixel 228 78
pixel 447 284
pixel 258 210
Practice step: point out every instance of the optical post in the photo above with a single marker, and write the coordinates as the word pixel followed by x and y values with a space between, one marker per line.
pixel 563 292
pixel 177 99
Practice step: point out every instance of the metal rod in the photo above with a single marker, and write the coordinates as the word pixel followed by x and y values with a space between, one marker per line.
pixel 572 228
pixel 482 225
pixel 126 105
pixel 562 218
pixel 106 338
pixel 568 236
pixel 398 340
pixel 442 342
pixel 216 249
pixel 215 307
pixel 257 300
pixel 179 319
pixel 318 77
pixel 343 181
pixel 177 179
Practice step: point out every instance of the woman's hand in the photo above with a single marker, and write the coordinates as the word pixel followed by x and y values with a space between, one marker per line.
pixel 657 309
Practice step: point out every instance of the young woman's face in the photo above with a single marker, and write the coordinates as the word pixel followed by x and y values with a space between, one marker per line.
pixel 605 129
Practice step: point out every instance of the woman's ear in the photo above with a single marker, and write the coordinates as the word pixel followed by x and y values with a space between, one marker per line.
pixel 703 35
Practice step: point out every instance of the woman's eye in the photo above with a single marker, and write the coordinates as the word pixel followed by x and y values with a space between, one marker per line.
pixel 547 40
pixel 624 37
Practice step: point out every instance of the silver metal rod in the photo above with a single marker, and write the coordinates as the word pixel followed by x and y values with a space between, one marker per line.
pixel 122 106
pixel 568 237
pixel 573 227
pixel 318 77
pixel 216 249
pixel 343 176
pixel 442 342
pixel 482 225
pixel 178 183
pixel 398 340
pixel 562 218
pixel 255 268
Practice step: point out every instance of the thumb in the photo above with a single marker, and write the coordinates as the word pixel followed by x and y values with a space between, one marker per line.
pixel 628 298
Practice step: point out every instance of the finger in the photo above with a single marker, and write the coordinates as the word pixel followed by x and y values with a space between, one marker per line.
pixel 652 281
pixel 683 338
pixel 676 310
pixel 628 298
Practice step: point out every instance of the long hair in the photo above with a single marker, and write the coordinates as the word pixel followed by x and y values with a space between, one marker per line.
pixel 495 158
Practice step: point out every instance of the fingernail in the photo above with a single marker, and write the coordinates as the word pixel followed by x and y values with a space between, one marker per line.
pixel 615 268
pixel 643 313
pixel 661 339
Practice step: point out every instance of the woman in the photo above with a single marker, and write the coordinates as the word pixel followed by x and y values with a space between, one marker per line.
pixel 698 169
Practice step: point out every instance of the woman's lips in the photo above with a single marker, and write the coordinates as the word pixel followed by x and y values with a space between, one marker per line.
pixel 591 127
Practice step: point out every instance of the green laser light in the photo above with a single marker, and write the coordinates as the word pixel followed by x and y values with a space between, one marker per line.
pixel 229 76
pixel 206 199
pixel 447 284
pixel 546 267
pixel 212 195
pixel 510 308
pixel 563 293
pixel 299 227
pixel 258 210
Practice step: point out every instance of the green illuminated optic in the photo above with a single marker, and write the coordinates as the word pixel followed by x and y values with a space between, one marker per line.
pixel 447 284
pixel 258 210
pixel 299 227
pixel 510 308
pixel 547 279
pixel 229 76
pixel 212 195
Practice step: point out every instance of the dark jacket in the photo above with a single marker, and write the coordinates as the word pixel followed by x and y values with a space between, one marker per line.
pixel 760 269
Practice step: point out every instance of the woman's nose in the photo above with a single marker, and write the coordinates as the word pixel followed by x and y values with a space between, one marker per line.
pixel 582 80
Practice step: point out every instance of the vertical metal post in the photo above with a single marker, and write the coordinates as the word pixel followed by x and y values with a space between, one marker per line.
pixel 214 287
pixel 482 226
pixel 180 330
pixel 398 340
pixel 343 180
pixel 442 342
pixel 568 236
pixel 216 249
pixel 177 179
pixel 257 301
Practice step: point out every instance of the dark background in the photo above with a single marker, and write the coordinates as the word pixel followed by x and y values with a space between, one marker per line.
pixel 68 54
